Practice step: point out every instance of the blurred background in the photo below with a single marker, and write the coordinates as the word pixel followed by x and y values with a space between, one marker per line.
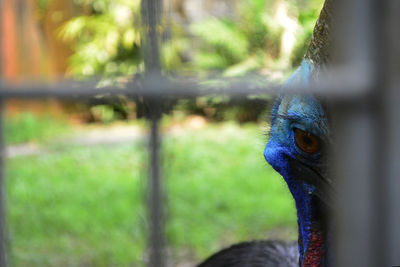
pixel 76 170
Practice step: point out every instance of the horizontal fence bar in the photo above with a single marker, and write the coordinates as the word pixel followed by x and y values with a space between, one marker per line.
pixel 347 85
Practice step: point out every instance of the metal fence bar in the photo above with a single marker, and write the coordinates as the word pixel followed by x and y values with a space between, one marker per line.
pixel 151 11
pixel 153 86
pixel 157 255
pixel 380 208
pixel 391 54
pixel 354 44
pixel 355 169
pixel 358 132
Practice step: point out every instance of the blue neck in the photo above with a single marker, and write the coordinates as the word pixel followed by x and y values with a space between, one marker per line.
pixel 311 215
pixel 312 223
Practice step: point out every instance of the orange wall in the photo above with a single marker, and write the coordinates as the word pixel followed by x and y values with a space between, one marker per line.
pixel 30 48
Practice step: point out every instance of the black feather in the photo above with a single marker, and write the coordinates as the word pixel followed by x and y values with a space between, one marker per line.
pixel 256 254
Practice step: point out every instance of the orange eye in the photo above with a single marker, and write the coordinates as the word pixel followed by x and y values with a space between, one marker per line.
pixel 306 141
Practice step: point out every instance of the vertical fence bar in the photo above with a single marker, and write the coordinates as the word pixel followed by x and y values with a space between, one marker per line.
pixel 151 12
pixel 155 197
pixel 358 128
pixel 3 228
pixel 391 103
pixel 355 172
pixel 354 43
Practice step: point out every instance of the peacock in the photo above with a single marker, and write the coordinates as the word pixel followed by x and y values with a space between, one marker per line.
pixel 297 148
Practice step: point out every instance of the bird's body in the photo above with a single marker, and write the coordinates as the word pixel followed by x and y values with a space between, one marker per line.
pixel 299 137
pixel 256 254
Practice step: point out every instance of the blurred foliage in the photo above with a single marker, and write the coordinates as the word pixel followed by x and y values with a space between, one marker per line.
pixel 238 45
pixel 106 40
pixel 268 37
pixel 251 40
pixel 218 109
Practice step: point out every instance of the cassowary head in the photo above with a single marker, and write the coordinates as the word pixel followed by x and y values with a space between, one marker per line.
pixel 299 138
pixel 297 148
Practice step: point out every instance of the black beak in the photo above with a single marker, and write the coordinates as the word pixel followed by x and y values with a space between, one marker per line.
pixel 324 189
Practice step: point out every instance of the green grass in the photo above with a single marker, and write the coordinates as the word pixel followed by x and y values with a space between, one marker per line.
pixel 221 190
pixel 83 206
pixel 27 127
pixel 79 206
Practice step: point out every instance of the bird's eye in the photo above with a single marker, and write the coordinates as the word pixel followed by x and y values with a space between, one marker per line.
pixel 306 141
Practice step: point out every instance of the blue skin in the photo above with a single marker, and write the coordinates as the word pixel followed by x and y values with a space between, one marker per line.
pixel 306 113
